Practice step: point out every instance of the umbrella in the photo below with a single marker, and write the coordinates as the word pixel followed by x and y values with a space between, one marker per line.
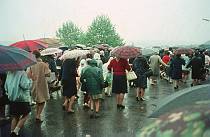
pixel 126 52
pixel 183 51
pixel 102 46
pixel 74 54
pixel 50 42
pixel 13 58
pixel 80 46
pixel 181 98
pixel 63 48
pixel 30 45
pixel 147 51
pixel 188 121
pixel 50 51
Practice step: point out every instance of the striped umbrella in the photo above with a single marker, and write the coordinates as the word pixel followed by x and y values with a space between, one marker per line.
pixel 13 58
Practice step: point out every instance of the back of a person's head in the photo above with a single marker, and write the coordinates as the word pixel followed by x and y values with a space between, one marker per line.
pixel 37 53
pixel 178 55
pixel 97 56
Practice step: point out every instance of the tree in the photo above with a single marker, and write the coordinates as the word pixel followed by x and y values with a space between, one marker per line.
pixel 69 34
pixel 102 31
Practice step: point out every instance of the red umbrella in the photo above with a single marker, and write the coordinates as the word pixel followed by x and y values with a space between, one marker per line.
pixel 126 52
pixel 184 51
pixel 30 45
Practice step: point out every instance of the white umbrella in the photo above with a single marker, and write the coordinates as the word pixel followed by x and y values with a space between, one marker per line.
pixel 50 51
pixel 74 54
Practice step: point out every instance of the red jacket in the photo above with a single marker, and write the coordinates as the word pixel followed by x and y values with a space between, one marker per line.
pixel 119 67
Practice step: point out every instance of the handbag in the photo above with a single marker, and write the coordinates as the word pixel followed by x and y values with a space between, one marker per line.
pixel 149 73
pixel 84 86
pixel 131 75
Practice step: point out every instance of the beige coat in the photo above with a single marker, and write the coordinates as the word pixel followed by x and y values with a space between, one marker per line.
pixel 40 91
pixel 155 62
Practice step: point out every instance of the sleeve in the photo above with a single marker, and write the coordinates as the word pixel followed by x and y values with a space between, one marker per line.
pixel 46 69
pixel 127 66
pixel 160 60
pixel 189 64
pixel 109 67
pixel 25 82
pixel 134 65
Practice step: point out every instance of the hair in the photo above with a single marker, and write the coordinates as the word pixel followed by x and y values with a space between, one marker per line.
pixel 178 55
pixel 37 53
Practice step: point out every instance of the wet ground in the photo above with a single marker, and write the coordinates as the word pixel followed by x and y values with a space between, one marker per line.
pixel 112 122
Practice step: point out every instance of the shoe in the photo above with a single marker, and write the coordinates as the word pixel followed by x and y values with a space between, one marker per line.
pixel 122 107
pixel 92 114
pixel 38 120
pixel 142 99
pixel 191 85
pixel 13 134
pixel 176 87
pixel 70 112
pixel 106 94
pixel 118 106
pixel 97 115
pixel 137 99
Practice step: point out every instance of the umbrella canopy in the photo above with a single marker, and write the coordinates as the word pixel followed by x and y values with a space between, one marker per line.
pixel 181 98
pixel 50 42
pixel 183 51
pixel 50 51
pixel 63 48
pixel 30 45
pixel 188 121
pixel 148 52
pixel 102 46
pixel 126 52
pixel 74 54
pixel 80 46
pixel 13 58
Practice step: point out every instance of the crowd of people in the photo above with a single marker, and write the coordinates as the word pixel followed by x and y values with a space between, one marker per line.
pixel 96 75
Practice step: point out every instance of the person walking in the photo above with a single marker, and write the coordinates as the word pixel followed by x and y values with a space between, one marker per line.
pixel 119 84
pixel 140 67
pixel 40 91
pixel 154 62
pixel 68 80
pixel 107 77
pixel 176 69
pixel 18 85
pixel 93 77
pixel 196 63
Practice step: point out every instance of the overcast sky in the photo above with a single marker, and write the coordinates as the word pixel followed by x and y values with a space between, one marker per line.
pixel 177 21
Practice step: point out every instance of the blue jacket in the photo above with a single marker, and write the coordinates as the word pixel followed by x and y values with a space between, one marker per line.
pixel 18 86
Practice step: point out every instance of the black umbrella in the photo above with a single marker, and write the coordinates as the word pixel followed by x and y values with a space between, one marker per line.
pixel 181 98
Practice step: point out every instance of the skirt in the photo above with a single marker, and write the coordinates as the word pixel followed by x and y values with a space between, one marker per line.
pixel 98 96
pixel 19 108
pixel 141 81
pixel 119 84
pixel 69 88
